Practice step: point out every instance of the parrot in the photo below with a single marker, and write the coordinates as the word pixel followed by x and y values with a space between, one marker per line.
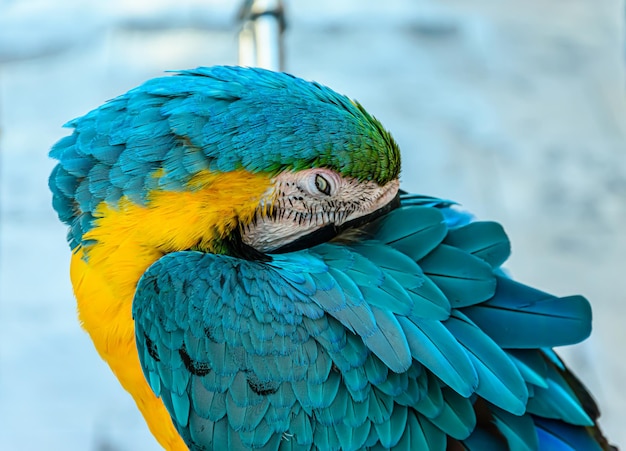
pixel 245 261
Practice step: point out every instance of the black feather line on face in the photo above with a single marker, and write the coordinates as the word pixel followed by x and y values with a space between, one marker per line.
pixel 331 231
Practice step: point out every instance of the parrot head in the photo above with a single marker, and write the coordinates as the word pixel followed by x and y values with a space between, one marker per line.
pixel 226 160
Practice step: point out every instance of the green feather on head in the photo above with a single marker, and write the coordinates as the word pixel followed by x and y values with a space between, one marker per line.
pixel 265 121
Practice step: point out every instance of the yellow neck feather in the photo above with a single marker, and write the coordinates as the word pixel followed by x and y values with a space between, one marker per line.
pixel 127 239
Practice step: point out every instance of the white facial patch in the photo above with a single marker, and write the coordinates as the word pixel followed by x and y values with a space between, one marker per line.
pixel 302 202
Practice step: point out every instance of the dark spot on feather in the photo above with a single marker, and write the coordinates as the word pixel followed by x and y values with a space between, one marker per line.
pixel 262 388
pixel 155 286
pixel 187 288
pixel 152 349
pixel 193 366
pixel 208 332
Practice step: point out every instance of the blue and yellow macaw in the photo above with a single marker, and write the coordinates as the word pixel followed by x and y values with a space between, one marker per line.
pixel 243 259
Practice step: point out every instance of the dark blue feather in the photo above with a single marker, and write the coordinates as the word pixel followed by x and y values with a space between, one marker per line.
pixel 521 317
pixel 413 230
pixel 560 436
pixel 463 278
pixel 485 240
pixel 499 380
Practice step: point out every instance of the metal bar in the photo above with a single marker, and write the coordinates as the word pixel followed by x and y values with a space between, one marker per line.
pixel 260 38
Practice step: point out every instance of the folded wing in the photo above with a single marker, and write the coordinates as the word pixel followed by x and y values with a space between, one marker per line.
pixel 411 338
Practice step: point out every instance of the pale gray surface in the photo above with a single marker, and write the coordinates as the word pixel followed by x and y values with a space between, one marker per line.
pixel 515 109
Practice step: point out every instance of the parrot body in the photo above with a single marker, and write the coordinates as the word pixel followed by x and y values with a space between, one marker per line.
pixel 244 263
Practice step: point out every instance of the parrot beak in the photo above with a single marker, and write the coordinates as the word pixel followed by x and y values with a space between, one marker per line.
pixel 331 231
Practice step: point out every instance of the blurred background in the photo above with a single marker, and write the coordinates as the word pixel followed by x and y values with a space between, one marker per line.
pixel 514 109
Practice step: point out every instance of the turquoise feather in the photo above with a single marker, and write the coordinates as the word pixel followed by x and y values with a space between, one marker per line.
pixel 463 278
pixel 499 381
pixel 519 430
pixel 431 400
pixel 399 230
pixel 531 366
pixel 558 401
pixel 433 346
pixel 457 417
pixel 518 316
pixel 485 240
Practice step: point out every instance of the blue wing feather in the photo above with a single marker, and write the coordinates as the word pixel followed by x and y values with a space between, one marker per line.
pixel 435 347
pixel 485 240
pixel 518 316
pixel 499 380
pixel 413 230
pixel 556 435
pixel 457 416
pixel 519 430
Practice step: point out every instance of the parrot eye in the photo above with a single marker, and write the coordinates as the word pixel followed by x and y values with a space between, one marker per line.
pixel 322 185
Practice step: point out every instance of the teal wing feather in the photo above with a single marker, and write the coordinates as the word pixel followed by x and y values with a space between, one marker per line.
pixel 409 339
